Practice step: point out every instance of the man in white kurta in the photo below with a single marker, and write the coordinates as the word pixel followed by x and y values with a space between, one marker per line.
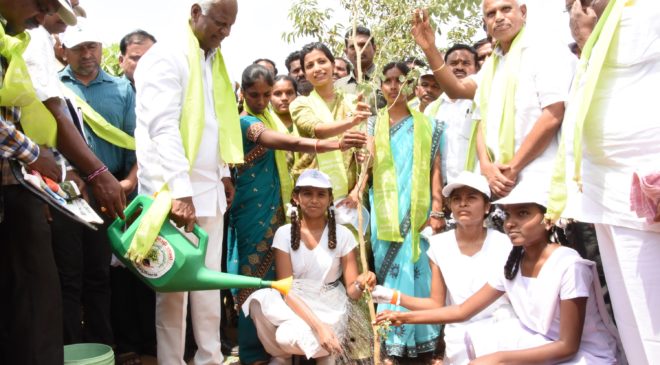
pixel 542 85
pixel 198 189
pixel 456 113
pixel 622 136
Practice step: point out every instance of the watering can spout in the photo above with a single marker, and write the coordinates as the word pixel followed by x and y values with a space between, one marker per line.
pixel 283 286
pixel 210 280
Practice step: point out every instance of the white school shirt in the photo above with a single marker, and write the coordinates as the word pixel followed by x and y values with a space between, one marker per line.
pixel 622 128
pixel 546 72
pixel 536 301
pixel 161 79
pixel 457 115
pixel 465 275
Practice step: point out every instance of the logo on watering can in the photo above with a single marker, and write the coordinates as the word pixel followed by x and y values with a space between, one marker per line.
pixel 159 260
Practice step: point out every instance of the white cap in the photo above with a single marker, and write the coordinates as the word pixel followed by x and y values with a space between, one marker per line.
pixel 527 191
pixel 469 179
pixel 314 178
pixel 66 12
pixel 425 71
pixel 78 34
pixel 80 11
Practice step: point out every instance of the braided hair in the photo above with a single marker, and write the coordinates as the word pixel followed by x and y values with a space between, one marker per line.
pixel 332 226
pixel 513 262
pixel 295 227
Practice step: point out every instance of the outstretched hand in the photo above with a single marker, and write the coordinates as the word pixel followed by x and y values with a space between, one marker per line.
pixel 422 31
pixel 352 138
pixel 362 110
pixel 392 316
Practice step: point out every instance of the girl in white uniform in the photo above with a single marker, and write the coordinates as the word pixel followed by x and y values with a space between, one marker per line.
pixel 462 261
pixel 311 319
pixel 553 291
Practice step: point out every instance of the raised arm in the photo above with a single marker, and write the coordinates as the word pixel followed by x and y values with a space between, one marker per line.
pixel 425 37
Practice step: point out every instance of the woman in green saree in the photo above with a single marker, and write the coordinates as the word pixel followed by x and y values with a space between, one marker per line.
pixel 327 113
pixel 263 186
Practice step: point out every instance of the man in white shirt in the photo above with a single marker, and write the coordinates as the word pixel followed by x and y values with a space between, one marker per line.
pixel 620 146
pixel 542 85
pixel 200 189
pixel 457 113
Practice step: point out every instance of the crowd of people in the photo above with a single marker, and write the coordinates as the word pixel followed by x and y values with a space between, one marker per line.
pixel 468 177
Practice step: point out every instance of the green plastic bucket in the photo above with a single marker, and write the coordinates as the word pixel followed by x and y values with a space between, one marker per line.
pixel 88 354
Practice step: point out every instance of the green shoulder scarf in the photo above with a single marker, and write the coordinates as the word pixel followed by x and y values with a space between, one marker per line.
pixel 192 127
pixel 41 126
pixel 589 69
pixel 386 196
pixel 16 88
pixel 331 163
pixel 507 123
pixel 286 181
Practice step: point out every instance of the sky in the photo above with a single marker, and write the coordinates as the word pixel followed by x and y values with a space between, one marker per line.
pixel 256 33
pixel 259 25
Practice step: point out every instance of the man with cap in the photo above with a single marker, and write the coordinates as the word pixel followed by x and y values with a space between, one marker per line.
pixel 108 108
pixel 30 311
pixel 427 92
pixel 43 67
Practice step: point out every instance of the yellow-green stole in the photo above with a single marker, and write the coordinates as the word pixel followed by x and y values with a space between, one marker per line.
pixel 286 181
pixel 331 163
pixel 386 195
pixel 507 122
pixel 192 128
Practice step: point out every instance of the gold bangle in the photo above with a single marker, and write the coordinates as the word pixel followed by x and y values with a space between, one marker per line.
pixel 439 68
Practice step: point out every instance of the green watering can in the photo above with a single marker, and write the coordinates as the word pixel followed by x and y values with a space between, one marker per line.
pixel 174 263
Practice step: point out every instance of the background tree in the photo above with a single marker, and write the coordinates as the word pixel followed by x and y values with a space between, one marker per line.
pixel 389 22
pixel 110 60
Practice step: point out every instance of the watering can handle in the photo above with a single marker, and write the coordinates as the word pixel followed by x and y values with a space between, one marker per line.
pixel 203 238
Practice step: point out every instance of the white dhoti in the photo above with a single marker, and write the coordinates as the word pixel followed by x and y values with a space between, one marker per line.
pixel 631 260
pixel 171 309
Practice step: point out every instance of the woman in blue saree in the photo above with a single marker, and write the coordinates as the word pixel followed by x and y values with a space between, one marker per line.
pixel 261 183
pixel 406 179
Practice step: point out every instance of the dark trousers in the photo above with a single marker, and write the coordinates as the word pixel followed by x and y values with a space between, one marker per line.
pixel 30 304
pixel 83 263
pixel 133 313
